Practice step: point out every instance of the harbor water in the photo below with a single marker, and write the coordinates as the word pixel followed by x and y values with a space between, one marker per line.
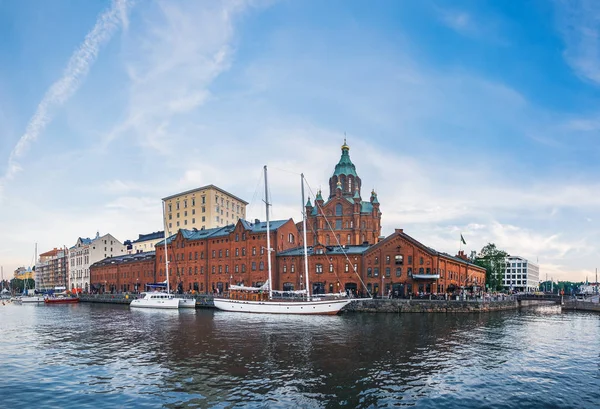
pixel 96 356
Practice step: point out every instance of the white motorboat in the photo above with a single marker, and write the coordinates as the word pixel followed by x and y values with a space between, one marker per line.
pixel 156 300
pixel 33 299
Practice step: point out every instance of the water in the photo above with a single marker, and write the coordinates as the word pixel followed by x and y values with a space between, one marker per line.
pixel 86 355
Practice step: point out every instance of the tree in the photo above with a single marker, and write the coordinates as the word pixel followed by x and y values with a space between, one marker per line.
pixel 494 261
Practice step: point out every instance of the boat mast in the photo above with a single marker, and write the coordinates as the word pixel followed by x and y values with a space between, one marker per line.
pixel 304 239
pixel 166 252
pixel 268 236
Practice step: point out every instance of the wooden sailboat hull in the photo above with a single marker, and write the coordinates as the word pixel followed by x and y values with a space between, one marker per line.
pixel 326 307
pixel 65 300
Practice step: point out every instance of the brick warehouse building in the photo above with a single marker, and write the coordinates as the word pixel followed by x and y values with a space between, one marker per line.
pixel 345 251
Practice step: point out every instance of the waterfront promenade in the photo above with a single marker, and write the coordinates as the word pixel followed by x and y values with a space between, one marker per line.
pixel 377 305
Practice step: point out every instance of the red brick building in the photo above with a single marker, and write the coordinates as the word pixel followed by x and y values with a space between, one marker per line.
pixel 206 260
pixel 127 273
pixel 345 253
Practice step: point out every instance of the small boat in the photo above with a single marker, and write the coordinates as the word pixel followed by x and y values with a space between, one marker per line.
pixel 187 302
pixel 156 300
pixel 33 299
pixel 61 299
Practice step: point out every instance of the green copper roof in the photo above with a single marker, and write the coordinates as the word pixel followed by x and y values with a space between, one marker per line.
pixel 308 203
pixel 319 197
pixel 345 165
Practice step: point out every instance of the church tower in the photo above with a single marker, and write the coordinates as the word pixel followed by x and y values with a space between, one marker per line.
pixel 344 219
pixel 345 174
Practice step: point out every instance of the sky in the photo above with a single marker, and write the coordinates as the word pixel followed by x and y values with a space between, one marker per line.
pixel 474 117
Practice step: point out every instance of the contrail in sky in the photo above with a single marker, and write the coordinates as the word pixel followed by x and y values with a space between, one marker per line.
pixel 75 72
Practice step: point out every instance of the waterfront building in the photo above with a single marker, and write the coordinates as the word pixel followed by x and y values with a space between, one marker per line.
pixel 124 273
pixel 86 252
pixel 51 270
pixel 211 259
pixel 23 273
pixel 398 265
pixel 521 274
pixel 146 242
pixel 206 207
pixel 344 219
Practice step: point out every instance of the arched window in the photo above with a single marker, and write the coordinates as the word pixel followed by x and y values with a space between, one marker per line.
pixel 350 184
pixel 338 209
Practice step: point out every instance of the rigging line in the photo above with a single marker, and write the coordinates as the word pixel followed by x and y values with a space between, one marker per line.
pixel 285 170
pixel 254 196
pixel 338 242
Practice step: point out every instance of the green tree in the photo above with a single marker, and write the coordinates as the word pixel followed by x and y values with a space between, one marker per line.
pixel 494 261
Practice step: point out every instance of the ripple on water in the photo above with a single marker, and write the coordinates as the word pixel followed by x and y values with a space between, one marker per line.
pixel 109 356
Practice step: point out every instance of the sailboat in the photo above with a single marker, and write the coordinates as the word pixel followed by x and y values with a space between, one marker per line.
pixel 260 299
pixel 31 299
pixel 159 299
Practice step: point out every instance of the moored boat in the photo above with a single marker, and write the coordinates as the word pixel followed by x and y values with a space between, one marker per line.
pixel 61 300
pixel 156 300
pixel 260 299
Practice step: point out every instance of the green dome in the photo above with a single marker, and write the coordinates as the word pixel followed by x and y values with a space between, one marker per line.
pixel 345 165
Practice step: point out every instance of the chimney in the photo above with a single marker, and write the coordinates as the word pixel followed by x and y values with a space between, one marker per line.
pixel 461 254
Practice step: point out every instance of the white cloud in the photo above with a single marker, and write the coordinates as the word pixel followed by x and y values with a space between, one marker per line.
pixel 579 23
pixel 75 72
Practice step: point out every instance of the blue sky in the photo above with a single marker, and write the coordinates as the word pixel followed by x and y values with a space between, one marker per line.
pixel 478 117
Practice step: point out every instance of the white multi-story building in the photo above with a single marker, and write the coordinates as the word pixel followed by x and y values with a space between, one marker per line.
pixel 146 242
pixel 88 251
pixel 521 274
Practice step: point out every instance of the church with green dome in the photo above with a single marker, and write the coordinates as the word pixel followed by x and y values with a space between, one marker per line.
pixel 345 218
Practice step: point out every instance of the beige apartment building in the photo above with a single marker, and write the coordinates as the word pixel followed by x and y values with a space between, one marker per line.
pixel 202 208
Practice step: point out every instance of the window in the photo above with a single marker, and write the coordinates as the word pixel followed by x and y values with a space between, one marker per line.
pixel 421 260
pixel 398 271
pixel 214 269
pixel 330 268
pixel 227 253
pixel 262 250
pixel 220 269
pixel 243 268
pixel 193 220
pixel 327 240
pixel 237 252
pixel 338 209
pixel 319 268
pixel 261 266
pixel 399 259
pixel 369 272
pixel 387 259
pixel 237 237
pixel 254 266
pixel 347 268
pixel 214 253
pixel 285 268
pixel 237 268
pixel 338 224
pixel 254 251
pixel 220 253
pixel 387 272
pixel 227 268
pixel 409 260
pixel 376 272
pixel 243 251
pixel 376 260
pixel 292 268
pixel 193 202
pixel 421 270
pixel 177 204
pixel 348 240
pixel 291 238
pixel 409 271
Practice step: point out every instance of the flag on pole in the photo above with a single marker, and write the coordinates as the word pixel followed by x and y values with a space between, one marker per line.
pixel 462 239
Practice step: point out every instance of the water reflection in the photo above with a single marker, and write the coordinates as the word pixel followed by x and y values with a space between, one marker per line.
pixel 110 355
